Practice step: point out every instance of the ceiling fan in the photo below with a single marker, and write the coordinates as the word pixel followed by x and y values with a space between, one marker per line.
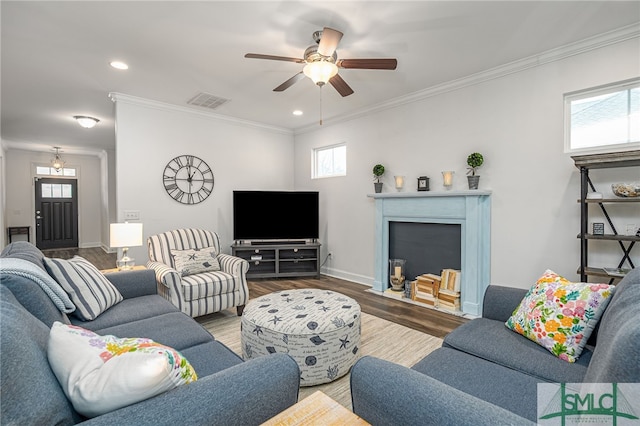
pixel 322 63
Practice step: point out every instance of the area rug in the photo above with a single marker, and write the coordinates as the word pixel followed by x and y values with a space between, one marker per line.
pixel 380 338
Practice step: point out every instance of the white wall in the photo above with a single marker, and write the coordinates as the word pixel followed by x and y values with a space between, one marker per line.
pixel 107 195
pixel 241 155
pixel 3 197
pixel 516 122
pixel 20 203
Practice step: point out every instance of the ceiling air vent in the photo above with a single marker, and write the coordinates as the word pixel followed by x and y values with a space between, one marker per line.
pixel 207 100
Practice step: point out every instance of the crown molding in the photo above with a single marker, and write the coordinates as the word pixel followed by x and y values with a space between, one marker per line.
pixel 163 106
pixel 38 147
pixel 596 42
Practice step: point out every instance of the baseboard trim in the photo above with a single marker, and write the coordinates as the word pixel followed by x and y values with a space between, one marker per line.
pixel 90 245
pixel 337 273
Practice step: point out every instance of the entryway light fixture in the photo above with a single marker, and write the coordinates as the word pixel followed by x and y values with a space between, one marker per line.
pixel 86 121
pixel 57 162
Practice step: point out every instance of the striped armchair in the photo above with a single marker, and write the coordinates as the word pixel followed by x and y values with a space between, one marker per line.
pixel 204 292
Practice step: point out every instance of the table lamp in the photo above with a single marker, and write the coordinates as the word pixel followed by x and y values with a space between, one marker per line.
pixel 125 235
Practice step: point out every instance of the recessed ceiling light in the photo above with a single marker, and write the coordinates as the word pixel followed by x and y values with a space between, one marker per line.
pixel 119 65
pixel 297 112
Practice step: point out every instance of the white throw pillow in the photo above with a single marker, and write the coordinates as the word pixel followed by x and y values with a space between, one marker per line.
pixel 195 261
pixel 100 374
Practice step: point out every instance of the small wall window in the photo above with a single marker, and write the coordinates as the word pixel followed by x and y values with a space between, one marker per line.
pixel 330 161
pixel 50 171
pixel 602 119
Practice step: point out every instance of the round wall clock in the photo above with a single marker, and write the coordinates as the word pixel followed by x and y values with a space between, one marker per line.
pixel 188 179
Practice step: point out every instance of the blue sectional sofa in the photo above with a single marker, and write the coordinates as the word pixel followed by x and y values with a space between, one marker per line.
pixel 228 391
pixel 486 374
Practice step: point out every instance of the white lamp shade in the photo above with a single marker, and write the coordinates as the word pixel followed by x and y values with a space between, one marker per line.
pixel 125 235
pixel 321 71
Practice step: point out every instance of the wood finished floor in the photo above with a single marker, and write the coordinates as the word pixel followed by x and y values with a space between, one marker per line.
pixel 419 318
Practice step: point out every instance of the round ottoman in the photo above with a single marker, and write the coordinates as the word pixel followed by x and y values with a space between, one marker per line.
pixel 320 329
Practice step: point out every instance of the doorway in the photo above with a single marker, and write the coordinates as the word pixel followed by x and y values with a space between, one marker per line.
pixel 56 213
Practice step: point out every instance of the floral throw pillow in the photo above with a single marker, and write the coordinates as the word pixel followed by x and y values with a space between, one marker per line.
pixel 560 315
pixel 100 374
pixel 195 261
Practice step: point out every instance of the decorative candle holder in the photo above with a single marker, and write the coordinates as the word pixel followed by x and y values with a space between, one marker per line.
pixel 447 179
pixel 396 274
pixel 399 182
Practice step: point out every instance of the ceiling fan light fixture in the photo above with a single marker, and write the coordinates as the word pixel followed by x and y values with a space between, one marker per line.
pixel 320 72
pixel 85 121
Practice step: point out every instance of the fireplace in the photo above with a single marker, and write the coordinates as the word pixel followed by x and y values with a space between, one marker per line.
pixel 455 214
pixel 427 247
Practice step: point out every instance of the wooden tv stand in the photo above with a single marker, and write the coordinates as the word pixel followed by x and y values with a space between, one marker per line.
pixel 280 260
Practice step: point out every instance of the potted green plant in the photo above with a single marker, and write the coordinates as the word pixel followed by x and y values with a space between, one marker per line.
pixel 474 161
pixel 378 171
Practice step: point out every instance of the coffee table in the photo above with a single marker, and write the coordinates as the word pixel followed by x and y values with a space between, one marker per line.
pixel 316 409
pixel 320 329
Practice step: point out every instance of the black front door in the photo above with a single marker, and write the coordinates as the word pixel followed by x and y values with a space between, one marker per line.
pixel 56 213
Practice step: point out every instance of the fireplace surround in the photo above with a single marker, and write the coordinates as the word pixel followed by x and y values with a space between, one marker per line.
pixel 469 209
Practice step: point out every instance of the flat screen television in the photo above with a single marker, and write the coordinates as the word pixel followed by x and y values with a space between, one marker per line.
pixel 275 215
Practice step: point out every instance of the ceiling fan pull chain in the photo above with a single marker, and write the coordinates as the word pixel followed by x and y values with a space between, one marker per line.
pixel 321 105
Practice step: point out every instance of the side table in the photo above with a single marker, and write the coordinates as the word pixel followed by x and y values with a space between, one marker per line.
pixel 135 268
pixel 316 409
pixel 19 230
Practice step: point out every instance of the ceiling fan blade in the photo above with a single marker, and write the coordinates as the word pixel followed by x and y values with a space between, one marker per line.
pixel 368 64
pixel 273 58
pixel 289 82
pixel 329 41
pixel 340 85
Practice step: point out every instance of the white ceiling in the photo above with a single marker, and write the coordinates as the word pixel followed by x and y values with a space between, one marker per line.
pixel 55 55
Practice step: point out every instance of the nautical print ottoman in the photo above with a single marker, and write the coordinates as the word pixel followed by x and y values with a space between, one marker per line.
pixel 320 329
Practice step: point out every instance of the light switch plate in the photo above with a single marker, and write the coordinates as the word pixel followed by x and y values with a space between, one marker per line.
pixel 132 215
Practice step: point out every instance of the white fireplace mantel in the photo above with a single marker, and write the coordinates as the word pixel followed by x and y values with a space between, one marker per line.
pixel 470 209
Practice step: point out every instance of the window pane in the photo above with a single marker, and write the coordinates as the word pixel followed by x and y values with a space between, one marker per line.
pixel 634 115
pixel 330 161
pixel 340 160
pixel 601 120
pixel 46 190
pixel 325 162
pixel 56 190
pixel 607 117
pixel 50 171
pixel 66 191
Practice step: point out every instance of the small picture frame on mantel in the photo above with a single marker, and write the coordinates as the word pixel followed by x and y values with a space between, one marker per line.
pixel 423 183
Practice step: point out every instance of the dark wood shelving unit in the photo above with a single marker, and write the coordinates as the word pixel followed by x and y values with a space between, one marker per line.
pixel 280 260
pixel 602 161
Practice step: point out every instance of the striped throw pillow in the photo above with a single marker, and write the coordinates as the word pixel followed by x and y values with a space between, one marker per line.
pixel 88 288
